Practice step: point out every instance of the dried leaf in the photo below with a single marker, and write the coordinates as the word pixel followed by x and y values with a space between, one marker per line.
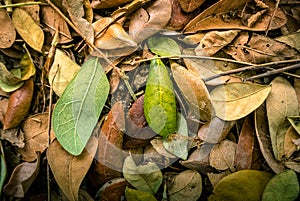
pixel 69 170
pixel 190 5
pixel 101 4
pixel 62 71
pixel 147 177
pixel 19 104
pixel 159 100
pixel 21 179
pixel 7 77
pixel 283 186
pixel 15 136
pixel 243 184
pixel 35 130
pixel 195 92
pixel 112 190
pixel 187 184
pixel 295 121
pixel 222 155
pixel 137 195
pixel 7 31
pixel 223 15
pixel 157 144
pixel 163 46
pixel 3 169
pixel 28 29
pixel 289 142
pixel 291 40
pixel 282 102
pixel 27 67
pixel 78 109
pixel 146 22
pixel 236 100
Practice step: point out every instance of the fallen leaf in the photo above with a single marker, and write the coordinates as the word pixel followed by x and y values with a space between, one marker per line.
pixel 3 168
pixel 69 170
pixel 12 77
pixel 15 136
pixel 283 186
pixel 236 100
pixel 22 178
pixel 147 177
pixel 194 91
pixel 295 121
pixel 222 155
pixel 78 109
pixel 62 71
pixel 292 40
pixel 18 105
pixel 214 178
pixel 27 67
pixel 146 22
pixel 190 5
pixel 243 184
pixel 281 103
pixel 3 108
pixel 163 46
pixel 8 31
pixel 159 100
pixel 28 29
pixel 101 4
pixel 137 195
pixel 187 184
pixel 112 190
pixel 157 144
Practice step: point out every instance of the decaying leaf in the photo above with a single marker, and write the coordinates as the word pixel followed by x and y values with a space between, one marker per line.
pixel 101 4
pixel 9 80
pixel 28 29
pixel 69 170
pixel 19 104
pixel 291 40
pixel 295 121
pixel 281 103
pixel 146 22
pixel 243 184
pixel 163 46
pixel 21 179
pixel 190 5
pixel 3 169
pixel 27 67
pixel 137 195
pixel 147 177
pixel 289 142
pixel 112 190
pixel 195 92
pixel 62 71
pixel 187 184
pixel 236 100
pixel 7 31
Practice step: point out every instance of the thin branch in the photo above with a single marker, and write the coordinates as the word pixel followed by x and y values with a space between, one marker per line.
pixel 21 4
pixel 272 17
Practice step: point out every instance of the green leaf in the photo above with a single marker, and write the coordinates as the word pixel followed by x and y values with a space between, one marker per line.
pixel 178 145
pixel 78 109
pixel 10 80
pixel 146 177
pixel 137 195
pixel 295 121
pixel 163 46
pixel 159 101
pixel 234 101
pixel 283 186
pixel 27 67
pixel 3 169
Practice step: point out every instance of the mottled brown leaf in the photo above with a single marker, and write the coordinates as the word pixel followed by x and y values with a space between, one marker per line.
pixel 101 4
pixel 7 31
pixel 190 5
pixel 112 190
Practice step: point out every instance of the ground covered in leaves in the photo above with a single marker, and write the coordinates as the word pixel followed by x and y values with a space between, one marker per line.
pixel 150 100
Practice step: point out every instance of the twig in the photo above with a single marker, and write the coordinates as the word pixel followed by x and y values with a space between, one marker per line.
pixel 272 17
pixel 21 4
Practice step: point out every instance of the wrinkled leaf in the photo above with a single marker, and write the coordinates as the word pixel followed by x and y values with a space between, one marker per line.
pixel 69 170
pixel 195 92
pixel 18 105
pixel 190 5
pixel 187 184
pixel 7 31
pixel 21 179
pixel 62 71
pixel 137 195
pixel 163 46
pixel 283 186
pixel 147 177
pixel 236 100
pixel 239 185
pixel 295 121
pixel 78 109
pixel 159 100
pixel 28 29
pixel 282 102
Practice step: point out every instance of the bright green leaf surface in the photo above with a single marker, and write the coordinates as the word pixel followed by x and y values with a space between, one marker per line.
pixel 159 101
pixel 282 187
pixel 137 195
pixel 163 46
pixel 77 111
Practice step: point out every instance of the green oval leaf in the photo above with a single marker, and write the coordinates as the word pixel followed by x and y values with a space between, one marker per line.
pixel 163 46
pixel 283 186
pixel 137 195
pixel 236 100
pixel 78 109
pixel 159 101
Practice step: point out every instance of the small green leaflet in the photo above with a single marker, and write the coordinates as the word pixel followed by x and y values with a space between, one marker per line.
pixel 163 46
pixel 78 109
pixel 159 101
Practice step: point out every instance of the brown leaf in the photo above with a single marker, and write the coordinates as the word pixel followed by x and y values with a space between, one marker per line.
pixel 289 142
pixel 110 156
pixel 19 104
pixel 3 108
pixel 190 5
pixel 69 170
pixel 102 4
pixel 146 22
pixel 224 15
pixel 136 112
pixel 112 190
pixel 32 10
pixel 7 31
pixel 297 88
pixel 244 150
pixel 15 136
pixel 22 178
pixel 36 136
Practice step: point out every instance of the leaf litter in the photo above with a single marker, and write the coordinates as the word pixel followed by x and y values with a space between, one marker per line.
pixel 149 100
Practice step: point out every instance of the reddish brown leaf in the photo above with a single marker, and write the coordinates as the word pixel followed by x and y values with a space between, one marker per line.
pixel 136 112
pixel 7 31
pixel 244 151
pixel 190 5
pixel 19 104
pixel 112 190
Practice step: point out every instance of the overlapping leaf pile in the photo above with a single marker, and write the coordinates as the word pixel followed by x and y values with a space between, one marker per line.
pixel 150 100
